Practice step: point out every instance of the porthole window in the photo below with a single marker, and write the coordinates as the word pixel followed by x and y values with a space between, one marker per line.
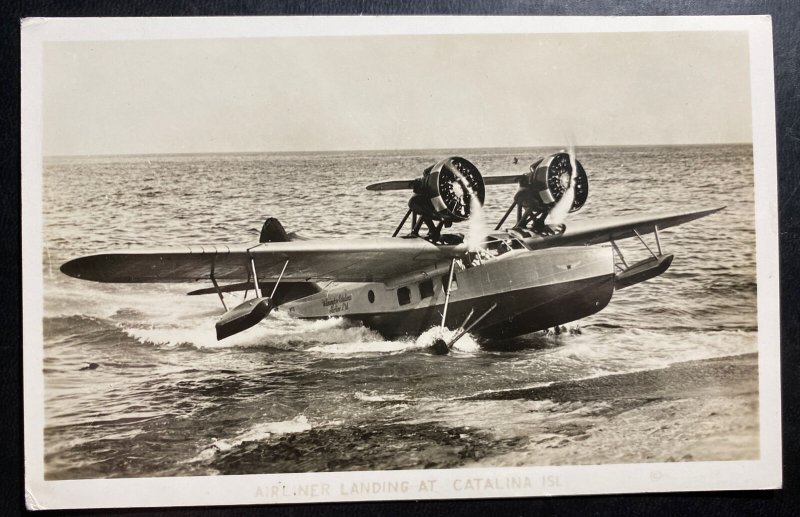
pixel 371 296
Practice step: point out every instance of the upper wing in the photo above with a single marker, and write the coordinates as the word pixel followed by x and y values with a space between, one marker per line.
pixel 409 184
pixel 614 228
pixel 344 260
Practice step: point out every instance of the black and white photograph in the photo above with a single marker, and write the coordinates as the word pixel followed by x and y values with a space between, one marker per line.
pixel 316 259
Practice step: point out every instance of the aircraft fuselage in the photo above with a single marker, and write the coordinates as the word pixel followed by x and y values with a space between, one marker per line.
pixel 533 290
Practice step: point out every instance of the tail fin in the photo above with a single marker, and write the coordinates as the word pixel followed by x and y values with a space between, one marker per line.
pixel 273 231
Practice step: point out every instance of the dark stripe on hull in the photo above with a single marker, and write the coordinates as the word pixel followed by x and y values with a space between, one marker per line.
pixel 518 312
pixel 563 303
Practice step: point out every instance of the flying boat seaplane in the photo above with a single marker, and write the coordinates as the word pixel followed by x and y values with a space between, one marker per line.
pixel 538 273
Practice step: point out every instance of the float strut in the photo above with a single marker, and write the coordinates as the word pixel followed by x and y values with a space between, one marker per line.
pixel 216 286
pixel 658 241
pixel 644 243
pixel 619 253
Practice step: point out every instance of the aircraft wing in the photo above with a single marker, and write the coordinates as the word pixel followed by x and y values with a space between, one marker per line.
pixel 621 227
pixel 343 260
pixel 409 184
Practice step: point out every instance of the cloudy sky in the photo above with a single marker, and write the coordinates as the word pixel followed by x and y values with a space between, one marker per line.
pixel 395 92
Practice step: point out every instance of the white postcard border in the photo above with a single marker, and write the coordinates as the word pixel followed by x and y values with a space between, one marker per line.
pixel 413 484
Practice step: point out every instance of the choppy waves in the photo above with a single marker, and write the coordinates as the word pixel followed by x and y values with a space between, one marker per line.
pixel 164 397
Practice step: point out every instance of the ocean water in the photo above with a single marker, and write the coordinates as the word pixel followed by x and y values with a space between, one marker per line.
pixel 167 399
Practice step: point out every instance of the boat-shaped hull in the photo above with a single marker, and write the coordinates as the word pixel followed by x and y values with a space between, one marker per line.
pixel 533 291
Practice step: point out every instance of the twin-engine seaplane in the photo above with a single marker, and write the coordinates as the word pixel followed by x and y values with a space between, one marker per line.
pixel 536 274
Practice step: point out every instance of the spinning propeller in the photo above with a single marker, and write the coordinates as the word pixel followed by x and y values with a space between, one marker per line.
pixel 446 193
pixel 554 187
pixel 450 190
pixel 564 183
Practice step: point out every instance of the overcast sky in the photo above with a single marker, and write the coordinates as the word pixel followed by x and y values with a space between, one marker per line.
pixel 395 92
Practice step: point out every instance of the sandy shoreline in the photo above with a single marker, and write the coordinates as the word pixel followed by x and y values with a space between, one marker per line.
pixel 704 410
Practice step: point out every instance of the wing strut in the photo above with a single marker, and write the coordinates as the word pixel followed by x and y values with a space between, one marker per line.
pixel 249 312
pixel 255 278
pixel 646 269
pixel 271 296
pixel 447 291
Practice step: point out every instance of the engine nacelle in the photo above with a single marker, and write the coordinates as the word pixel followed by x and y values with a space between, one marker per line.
pixel 547 181
pixel 446 190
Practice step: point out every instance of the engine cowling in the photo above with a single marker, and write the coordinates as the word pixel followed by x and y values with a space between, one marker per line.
pixel 547 181
pixel 446 190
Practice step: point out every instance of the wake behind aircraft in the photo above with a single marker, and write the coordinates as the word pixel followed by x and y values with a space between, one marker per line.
pixel 538 273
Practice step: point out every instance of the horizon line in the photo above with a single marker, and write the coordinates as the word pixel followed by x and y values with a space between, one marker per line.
pixel 201 153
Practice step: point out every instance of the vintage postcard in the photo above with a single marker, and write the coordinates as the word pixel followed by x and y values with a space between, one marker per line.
pixel 277 260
